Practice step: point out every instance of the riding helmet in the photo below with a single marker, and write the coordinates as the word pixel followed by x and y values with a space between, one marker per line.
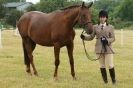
pixel 103 13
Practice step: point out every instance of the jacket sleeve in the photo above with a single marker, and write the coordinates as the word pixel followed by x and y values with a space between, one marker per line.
pixel 111 37
pixel 91 36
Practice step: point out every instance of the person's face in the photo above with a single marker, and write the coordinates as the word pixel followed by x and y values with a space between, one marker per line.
pixel 103 19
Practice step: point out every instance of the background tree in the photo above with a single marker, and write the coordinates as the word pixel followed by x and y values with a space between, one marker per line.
pixel 125 11
pixel 51 5
pixel 123 14
pixel 31 8
pixel 2 9
pixel 13 17
pixel 120 11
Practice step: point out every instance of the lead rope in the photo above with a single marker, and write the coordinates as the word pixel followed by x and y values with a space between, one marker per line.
pixel 87 55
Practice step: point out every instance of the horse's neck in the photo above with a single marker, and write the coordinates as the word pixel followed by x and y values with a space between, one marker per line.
pixel 72 16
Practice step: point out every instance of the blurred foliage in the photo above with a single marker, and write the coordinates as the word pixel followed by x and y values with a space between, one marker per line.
pixel 13 17
pixel 120 11
pixel 31 8
pixel 2 10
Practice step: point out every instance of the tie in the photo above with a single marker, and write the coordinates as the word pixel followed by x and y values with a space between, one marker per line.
pixel 102 27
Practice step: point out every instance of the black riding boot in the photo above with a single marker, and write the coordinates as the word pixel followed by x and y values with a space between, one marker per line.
pixel 104 75
pixel 112 74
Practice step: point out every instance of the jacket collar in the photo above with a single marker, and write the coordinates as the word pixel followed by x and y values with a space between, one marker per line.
pixel 103 24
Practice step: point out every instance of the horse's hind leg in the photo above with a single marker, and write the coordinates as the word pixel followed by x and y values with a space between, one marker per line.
pixel 70 54
pixel 26 59
pixel 57 61
pixel 29 46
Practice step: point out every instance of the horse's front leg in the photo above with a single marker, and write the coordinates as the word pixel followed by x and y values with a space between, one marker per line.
pixel 70 47
pixel 57 61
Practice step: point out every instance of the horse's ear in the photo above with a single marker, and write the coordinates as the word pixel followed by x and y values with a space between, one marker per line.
pixel 90 4
pixel 83 4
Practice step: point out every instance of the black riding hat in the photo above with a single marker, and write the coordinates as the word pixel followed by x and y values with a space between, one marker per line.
pixel 103 13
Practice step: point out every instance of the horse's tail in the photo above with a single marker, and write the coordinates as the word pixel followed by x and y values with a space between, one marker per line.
pixel 26 58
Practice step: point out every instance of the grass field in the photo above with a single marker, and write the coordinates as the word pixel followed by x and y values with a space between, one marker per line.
pixel 13 75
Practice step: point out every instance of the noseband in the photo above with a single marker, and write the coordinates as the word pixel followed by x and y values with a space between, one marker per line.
pixel 84 25
pixel 87 23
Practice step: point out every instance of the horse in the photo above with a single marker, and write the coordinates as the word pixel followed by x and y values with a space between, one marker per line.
pixel 53 29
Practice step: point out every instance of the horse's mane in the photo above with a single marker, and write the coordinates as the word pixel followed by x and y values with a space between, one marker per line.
pixel 66 9
pixel 70 7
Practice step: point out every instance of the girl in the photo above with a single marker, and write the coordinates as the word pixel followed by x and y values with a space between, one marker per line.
pixel 105 36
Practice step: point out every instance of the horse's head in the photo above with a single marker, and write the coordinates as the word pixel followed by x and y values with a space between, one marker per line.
pixel 85 17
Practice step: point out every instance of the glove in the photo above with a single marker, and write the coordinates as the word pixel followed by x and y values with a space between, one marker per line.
pixel 82 36
pixel 104 40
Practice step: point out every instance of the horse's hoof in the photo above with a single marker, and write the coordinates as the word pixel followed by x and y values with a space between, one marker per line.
pixel 55 78
pixel 35 73
pixel 29 72
pixel 74 78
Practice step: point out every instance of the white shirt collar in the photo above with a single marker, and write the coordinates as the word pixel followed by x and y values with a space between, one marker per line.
pixel 103 24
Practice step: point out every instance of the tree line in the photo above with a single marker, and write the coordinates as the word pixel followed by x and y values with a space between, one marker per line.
pixel 120 11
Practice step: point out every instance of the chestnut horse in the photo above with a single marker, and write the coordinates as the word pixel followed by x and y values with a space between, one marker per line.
pixel 52 29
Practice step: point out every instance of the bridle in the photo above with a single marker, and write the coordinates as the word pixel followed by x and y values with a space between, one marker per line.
pixel 83 25
pixel 87 23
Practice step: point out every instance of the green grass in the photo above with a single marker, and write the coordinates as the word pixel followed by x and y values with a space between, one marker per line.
pixel 13 75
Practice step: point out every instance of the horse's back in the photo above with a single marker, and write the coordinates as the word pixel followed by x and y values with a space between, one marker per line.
pixel 26 20
pixel 36 26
